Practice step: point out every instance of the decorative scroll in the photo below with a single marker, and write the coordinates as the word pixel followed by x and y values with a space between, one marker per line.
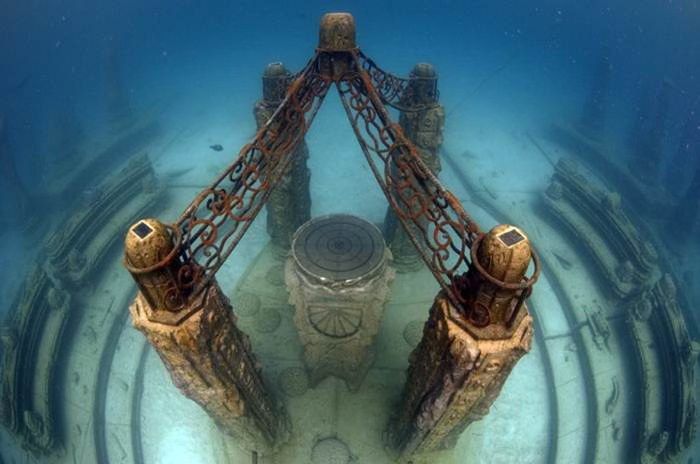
pixel 433 218
pixel 438 226
pixel 393 90
pixel 214 223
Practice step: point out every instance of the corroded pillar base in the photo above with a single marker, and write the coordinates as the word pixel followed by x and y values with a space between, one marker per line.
pixel 453 378
pixel 210 361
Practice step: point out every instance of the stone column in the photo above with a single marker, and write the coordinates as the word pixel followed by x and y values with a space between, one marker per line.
pixel 459 367
pixel 422 122
pixel 208 357
pixel 289 205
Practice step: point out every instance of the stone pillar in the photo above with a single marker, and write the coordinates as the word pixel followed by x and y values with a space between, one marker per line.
pixel 289 205
pixel 459 367
pixel 422 122
pixel 208 357
pixel 592 120
pixel 338 278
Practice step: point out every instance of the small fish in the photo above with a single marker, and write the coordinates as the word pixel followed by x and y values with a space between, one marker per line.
pixel 216 147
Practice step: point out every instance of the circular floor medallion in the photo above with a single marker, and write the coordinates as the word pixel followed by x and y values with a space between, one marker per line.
pixel 246 304
pixel 267 320
pixel 413 332
pixel 294 381
pixel 330 451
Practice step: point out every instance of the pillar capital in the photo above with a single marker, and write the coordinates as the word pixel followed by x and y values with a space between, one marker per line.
pixel 337 32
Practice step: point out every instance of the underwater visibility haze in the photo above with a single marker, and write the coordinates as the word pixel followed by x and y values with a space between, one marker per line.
pixel 338 232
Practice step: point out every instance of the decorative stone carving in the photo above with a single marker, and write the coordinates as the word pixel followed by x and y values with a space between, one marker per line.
pixel 79 244
pixel 58 299
pixel 453 379
pixel 464 357
pixel 600 329
pixel 331 450
pixel 246 304
pixel 597 219
pixel 294 381
pixel 657 443
pixel 289 205
pixel 666 353
pixel 338 279
pixel 211 362
pixel 614 397
pixel 32 340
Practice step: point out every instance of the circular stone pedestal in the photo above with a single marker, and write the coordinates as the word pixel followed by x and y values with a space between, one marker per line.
pixel 338 280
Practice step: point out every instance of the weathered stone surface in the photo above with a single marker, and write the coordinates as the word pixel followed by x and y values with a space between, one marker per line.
pixel 627 260
pixel 338 318
pixel 267 320
pixel 453 379
pixel 330 451
pixel 646 199
pixel 413 332
pixel 664 350
pixel 289 204
pixel 211 362
pixel 32 339
pixel 294 381
pixel 246 304
pixel 78 246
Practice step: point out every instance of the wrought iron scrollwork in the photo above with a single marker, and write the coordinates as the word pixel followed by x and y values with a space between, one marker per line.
pixel 434 219
pixel 214 223
pixel 393 90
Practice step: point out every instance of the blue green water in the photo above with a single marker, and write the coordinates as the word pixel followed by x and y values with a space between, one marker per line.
pixel 506 69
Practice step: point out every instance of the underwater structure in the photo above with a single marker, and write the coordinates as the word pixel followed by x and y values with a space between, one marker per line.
pixel 338 344
pixel 289 205
pixel 463 359
pixel 182 312
pixel 422 119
